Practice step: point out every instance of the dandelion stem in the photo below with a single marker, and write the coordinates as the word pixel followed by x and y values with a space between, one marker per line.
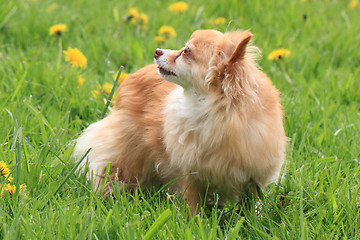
pixel 116 33
pixel 59 54
pixel 284 72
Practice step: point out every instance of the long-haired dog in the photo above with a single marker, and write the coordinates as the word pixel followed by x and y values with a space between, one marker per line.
pixel 205 114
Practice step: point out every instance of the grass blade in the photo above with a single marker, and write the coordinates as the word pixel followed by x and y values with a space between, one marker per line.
pixel 108 100
pixel 18 86
pixel 235 231
pixel 201 228
pixel 159 222
pixel 8 16
pixel 106 175
pixel 72 172
pixel 41 119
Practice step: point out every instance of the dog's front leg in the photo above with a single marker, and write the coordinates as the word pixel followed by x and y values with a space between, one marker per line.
pixel 191 194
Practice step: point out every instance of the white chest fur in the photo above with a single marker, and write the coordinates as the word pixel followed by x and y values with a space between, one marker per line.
pixel 224 147
pixel 200 138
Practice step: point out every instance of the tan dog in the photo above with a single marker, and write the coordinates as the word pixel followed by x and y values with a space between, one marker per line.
pixel 217 123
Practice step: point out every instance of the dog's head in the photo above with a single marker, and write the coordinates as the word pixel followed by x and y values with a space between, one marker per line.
pixel 209 58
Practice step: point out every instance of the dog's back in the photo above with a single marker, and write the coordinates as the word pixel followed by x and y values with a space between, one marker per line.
pixel 130 137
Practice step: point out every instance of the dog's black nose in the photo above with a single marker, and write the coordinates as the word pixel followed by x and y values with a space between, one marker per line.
pixel 158 53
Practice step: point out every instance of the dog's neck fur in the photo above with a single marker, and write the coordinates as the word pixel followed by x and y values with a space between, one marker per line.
pixel 205 117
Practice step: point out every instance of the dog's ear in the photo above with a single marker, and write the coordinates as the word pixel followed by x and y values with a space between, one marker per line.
pixel 240 50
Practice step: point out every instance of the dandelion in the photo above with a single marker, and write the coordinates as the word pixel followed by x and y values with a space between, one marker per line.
pixel 279 54
pixel 353 4
pixel 143 18
pixel 167 31
pixel 218 21
pixel 11 189
pixel 160 39
pixel 95 94
pixel 133 15
pixel 75 57
pixel 178 7
pixel 122 77
pixel 4 170
pixel 58 29
pixel 80 81
pixel 107 88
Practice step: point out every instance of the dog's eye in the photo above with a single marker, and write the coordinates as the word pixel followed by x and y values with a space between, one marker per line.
pixel 186 51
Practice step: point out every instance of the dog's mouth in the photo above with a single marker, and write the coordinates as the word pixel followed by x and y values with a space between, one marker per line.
pixel 166 72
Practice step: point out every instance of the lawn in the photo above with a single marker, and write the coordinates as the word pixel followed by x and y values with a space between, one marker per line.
pixel 44 107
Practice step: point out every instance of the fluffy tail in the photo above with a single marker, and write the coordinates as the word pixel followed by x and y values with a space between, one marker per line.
pixel 102 138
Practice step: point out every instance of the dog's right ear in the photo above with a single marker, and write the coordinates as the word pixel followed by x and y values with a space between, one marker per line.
pixel 240 50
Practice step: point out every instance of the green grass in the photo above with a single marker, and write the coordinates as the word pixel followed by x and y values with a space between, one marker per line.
pixel 42 110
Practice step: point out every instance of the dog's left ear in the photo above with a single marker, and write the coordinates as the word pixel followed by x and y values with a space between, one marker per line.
pixel 240 50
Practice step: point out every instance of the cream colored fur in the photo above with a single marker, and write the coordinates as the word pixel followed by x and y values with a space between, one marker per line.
pixel 220 129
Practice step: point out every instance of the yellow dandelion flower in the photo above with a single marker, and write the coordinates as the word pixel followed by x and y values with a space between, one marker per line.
pixel 122 77
pixel 279 54
pixel 80 81
pixel 107 88
pixel 160 39
pixel 353 4
pixel 143 18
pixel 4 170
pixel 95 94
pixel 9 188
pixel 167 31
pixel 178 7
pixel 218 21
pixel 75 57
pixel 57 29
pixel 133 15
pixel 2 165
